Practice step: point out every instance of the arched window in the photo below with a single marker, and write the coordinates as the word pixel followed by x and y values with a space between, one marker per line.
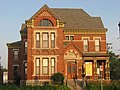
pixel 45 22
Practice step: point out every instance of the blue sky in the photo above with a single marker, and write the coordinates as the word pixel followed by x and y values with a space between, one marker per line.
pixel 14 12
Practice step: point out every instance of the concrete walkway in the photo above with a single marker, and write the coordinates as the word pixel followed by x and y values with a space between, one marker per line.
pixel 74 85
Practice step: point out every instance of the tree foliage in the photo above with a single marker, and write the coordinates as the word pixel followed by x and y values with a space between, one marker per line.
pixel 58 78
pixel 114 67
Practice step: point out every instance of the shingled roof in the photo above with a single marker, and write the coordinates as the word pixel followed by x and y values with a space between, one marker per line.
pixel 74 18
pixel 77 18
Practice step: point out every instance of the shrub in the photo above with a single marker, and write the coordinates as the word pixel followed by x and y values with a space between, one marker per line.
pixel 58 78
pixel 97 86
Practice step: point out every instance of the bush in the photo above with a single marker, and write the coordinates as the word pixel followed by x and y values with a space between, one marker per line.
pixel 58 78
pixel 111 86
pixel 47 87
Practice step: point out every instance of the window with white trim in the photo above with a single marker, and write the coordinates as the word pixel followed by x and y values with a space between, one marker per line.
pixel 25 67
pixel 52 65
pixel 45 40
pixel 45 22
pixel 97 45
pixel 69 37
pixel 85 43
pixel 37 39
pixel 15 54
pixel 52 40
pixel 45 66
pixel 37 65
pixel 25 46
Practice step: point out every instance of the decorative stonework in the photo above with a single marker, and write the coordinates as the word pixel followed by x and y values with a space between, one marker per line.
pixel 52 52
pixel 85 31
pixel 38 52
pixel 30 23
pixel 71 54
pixel 45 13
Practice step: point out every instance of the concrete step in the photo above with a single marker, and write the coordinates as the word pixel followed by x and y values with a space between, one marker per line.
pixel 74 84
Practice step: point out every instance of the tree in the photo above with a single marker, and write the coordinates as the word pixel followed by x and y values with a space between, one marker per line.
pixel 114 67
pixel 58 78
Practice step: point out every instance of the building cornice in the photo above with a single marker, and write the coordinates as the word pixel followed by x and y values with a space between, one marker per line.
pixel 85 31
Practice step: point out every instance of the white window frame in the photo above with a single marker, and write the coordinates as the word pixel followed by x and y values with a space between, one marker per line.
pixel 97 38
pixel 41 38
pixel 97 45
pixel 25 47
pixel 15 57
pixel 85 44
pixel 45 65
pixel 37 66
pixel 41 64
pixel 69 37
pixel 52 65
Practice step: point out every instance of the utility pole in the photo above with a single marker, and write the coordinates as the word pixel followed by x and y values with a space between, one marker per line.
pixel 101 69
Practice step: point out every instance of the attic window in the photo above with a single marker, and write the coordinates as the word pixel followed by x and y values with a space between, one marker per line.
pixel 45 22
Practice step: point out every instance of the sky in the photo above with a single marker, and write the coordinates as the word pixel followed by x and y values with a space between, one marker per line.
pixel 14 12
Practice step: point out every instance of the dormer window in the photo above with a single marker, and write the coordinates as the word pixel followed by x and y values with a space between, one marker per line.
pixel 45 22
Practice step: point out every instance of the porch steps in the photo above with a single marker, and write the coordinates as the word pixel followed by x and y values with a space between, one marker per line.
pixel 72 86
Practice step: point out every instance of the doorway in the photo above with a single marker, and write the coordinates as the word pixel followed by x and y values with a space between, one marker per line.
pixel 71 69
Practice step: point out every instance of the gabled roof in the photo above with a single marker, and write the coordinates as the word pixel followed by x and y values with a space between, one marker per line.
pixel 73 18
pixel 45 7
pixel 74 45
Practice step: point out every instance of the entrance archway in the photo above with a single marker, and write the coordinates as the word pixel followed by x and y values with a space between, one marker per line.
pixel 71 58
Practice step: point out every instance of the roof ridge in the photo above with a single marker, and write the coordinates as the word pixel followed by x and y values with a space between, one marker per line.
pixel 68 8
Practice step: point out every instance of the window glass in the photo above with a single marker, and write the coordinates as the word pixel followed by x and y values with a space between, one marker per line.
pixel 53 61
pixel 15 54
pixel 25 47
pixel 45 36
pixel 37 36
pixel 52 40
pixel 37 40
pixel 25 70
pixel 52 36
pixel 85 45
pixel 45 22
pixel 71 38
pixel 45 62
pixel 25 43
pixel 45 41
pixel 96 42
pixel 97 45
pixel 37 62
pixel 45 65
pixel 37 66
pixel 66 37
pixel 52 65
pixel 15 71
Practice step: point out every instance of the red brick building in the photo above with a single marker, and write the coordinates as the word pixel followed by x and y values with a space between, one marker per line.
pixel 59 40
